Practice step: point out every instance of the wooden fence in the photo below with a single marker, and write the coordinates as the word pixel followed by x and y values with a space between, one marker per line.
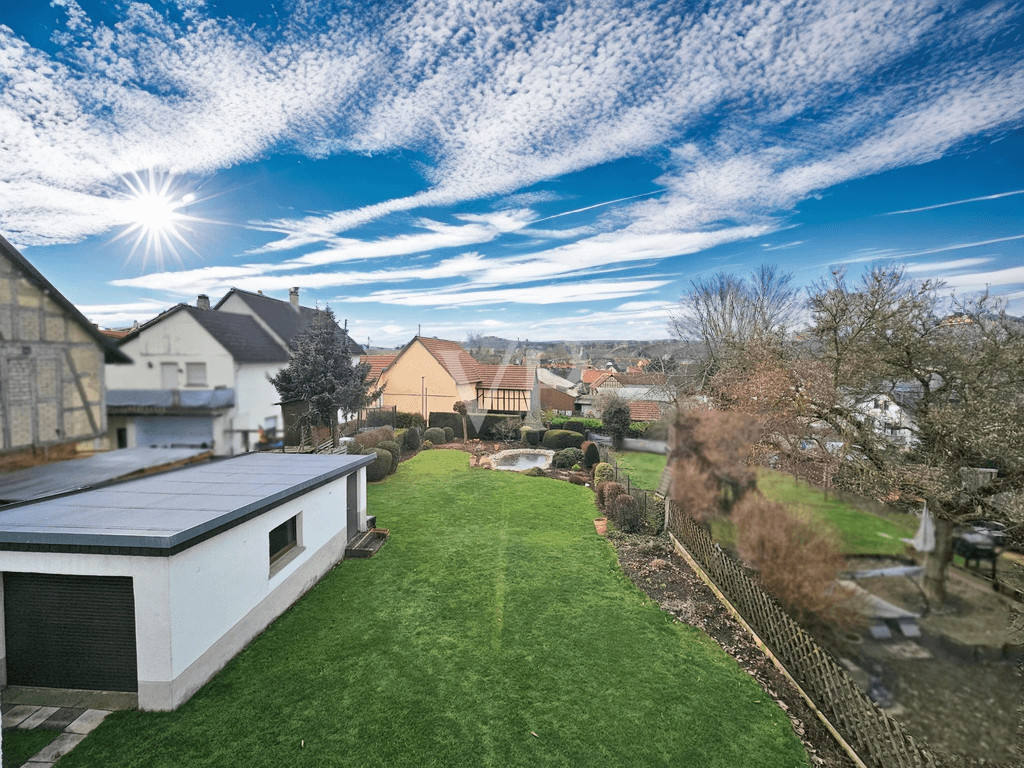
pixel 879 740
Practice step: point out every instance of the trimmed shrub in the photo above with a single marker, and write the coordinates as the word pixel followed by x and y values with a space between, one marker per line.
pixel 411 439
pixel 557 439
pixel 396 452
pixel 612 491
pixel 454 420
pixel 625 512
pixel 616 419
pixel 566 458
pixel 591 454
pixel 603 473
pixel 534 472
pixel 578 478
pixel 404 420
pixel 435 435
pixel 530 436
pixel 427 445
pixel 380 467
pixel 374 437
pixel 449 434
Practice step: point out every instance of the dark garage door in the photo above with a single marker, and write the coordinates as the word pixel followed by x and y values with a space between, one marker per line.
pixel 70 631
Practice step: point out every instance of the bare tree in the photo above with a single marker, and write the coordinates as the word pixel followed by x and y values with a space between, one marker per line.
pixel 959 371
pixel 727 314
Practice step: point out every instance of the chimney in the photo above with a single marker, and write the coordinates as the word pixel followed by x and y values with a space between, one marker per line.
pixel 293 297
pixel 203 302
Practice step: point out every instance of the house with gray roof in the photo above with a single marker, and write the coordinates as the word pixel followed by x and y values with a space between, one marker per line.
pixel 199 378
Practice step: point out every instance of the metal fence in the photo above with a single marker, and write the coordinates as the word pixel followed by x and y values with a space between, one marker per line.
pixel 878 739
pixel 648 502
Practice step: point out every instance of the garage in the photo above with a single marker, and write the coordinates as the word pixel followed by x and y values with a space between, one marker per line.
pixel 150 586
pixel 69 631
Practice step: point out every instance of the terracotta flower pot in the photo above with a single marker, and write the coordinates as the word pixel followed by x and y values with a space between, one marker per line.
pixel 601 525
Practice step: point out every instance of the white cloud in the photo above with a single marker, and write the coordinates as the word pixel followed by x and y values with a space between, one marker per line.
pixel 552 293
pixel 499 97
pixel 942 267
pixel 959 202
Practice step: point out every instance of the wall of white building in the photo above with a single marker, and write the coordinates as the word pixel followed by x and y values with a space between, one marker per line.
pixel 195 610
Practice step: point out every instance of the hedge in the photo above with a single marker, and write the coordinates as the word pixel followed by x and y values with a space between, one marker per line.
pixel 591 454
pixel 557 439
pixel 567 458
pixel 576 424
pixel 405 419
pixel 451 419
pixel 531 436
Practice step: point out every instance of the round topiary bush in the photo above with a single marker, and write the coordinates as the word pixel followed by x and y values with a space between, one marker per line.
pixel 591 454
pixel 391 447
pixel 603 473
pixel 626 514
pixel 557 439
pixel 411 439
pixel 435 435
pixel 566 458
pixel 380 467
pixel 427 445
pixel 449 434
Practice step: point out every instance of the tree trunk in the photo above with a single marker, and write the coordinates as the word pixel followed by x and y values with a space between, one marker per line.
pixel 935 563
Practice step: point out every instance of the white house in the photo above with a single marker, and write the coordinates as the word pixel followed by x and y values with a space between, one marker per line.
pixel 890 419
pixel 199 378
pixel 151 586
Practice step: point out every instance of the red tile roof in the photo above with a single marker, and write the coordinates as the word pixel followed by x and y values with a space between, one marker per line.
pixel 590 375
pixel 453 358
pixel 507 376
pixel 644 410
pixel 377 363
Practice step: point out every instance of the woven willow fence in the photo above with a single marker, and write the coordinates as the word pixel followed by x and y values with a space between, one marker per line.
pixel 879 740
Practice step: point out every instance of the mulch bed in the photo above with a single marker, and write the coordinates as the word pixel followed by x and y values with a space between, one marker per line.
pixel 668 579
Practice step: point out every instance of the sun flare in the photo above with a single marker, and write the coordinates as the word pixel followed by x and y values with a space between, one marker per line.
pixel 154 213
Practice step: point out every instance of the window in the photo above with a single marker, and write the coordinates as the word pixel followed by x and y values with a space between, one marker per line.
pixel 195 374
pixel 169 375
pixel 284 540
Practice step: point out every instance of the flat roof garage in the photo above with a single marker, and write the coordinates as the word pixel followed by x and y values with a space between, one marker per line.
pixel 152 585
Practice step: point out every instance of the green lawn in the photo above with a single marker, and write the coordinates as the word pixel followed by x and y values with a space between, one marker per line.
pixel 494 611
pixel 644 469
pixel 19 745
pixel 860 532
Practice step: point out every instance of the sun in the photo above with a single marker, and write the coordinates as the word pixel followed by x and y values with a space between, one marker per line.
pixel 154 212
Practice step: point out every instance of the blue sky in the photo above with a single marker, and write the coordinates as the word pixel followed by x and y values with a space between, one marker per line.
pixel 532 170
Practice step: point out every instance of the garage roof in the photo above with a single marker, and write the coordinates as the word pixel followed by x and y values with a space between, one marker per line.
pixel 76 474
pixel 164 514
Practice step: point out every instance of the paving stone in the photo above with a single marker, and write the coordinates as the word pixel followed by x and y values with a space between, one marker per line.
pixel 62 718
pixel 59 747
pixel 87 721
pixel 38 764
pixel 38 718
pixel 16 714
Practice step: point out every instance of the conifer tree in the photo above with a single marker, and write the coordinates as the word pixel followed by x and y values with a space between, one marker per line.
pixel 320 372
